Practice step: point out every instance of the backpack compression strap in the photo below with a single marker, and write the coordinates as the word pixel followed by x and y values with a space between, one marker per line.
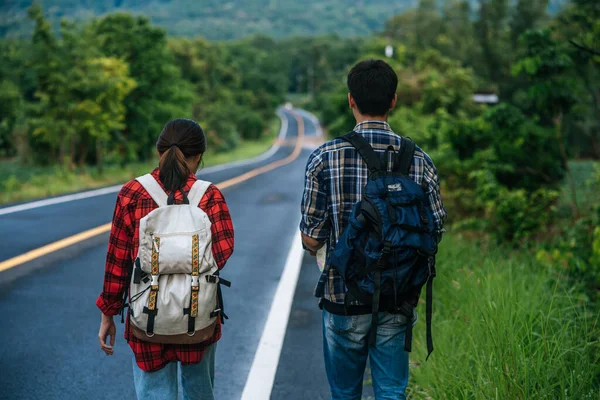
pixel 365 150
pixel 153 188
pixel 405 157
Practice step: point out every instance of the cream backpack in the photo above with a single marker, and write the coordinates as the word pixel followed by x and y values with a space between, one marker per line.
pixel 174 294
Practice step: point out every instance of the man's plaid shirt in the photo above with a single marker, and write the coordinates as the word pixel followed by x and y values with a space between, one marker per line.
pixel 134 203
pixel 334 182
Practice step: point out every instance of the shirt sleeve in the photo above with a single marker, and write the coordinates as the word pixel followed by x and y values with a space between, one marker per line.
pixel 315 221
pixel 434 197
pixel 118 262
pixel 214 205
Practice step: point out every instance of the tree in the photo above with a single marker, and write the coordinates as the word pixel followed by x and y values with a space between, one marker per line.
pixel 160 93
pixel 526 15
pixel 80 92
pixel 493 34
pixel 11 116
pixel 579 25
pixel 549 94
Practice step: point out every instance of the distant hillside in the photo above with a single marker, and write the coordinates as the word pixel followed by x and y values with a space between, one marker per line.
pixel 225 19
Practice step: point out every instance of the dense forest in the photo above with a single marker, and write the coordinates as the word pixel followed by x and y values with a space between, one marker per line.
pixel 224 20
pixel 520 177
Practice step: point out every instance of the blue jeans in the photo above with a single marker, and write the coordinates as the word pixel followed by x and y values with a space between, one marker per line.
pixel 346 347
pixel 197 380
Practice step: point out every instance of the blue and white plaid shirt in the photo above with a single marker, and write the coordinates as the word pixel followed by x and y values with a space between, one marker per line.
pixel 334 182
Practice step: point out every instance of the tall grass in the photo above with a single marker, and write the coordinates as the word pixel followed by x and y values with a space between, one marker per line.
pixel 504 328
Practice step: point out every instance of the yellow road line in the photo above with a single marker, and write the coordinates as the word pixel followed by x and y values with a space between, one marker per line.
pixel 52 247
pixel 79 237
pixel 271 166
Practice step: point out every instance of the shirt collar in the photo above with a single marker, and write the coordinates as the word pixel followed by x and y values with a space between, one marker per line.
pixel 372 125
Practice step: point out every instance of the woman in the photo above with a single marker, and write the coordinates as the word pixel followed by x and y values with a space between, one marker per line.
pixel 180 146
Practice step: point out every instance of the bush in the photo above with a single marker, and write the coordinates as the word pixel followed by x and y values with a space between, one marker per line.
pixel 517 214
pixel 528 155
pixel 575 251
pixel 251 124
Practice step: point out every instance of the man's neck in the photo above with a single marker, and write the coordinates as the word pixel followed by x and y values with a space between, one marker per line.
pixel 362 118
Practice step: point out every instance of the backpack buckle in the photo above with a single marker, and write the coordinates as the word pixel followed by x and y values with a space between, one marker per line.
pixel 387 247
pixel 195 281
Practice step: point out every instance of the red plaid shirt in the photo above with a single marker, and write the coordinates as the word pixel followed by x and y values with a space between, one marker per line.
pixel 133 203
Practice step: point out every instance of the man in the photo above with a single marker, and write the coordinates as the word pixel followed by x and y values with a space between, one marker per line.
pixel 335 177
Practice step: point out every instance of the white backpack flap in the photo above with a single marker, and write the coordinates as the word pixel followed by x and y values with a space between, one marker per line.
pixel 174 287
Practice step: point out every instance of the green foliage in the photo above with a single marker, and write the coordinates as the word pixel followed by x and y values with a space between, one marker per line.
pixel 224 20
pixel 444 84
pixel 160 93
pixel 575 249
pixel 527 154
pixel 236 86
pixel 550 92
pixel 102 91
pixel 20 183
pixel 505 327
pixel 518 214
pixel 11 114
pixel 80 93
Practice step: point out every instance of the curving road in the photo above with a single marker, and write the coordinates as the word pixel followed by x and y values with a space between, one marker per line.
pixel 49 347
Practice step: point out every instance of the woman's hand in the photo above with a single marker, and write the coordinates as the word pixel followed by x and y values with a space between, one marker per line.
pixel 107 328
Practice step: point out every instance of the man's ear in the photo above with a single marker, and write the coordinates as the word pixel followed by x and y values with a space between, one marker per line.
pixel 351 102
pixel 394 102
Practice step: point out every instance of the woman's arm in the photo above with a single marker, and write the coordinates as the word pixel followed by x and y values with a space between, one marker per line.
pixel 116 275
pixel 118 262
pixel 214 205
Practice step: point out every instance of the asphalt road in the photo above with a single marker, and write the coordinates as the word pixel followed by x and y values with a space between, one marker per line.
pixel 49 347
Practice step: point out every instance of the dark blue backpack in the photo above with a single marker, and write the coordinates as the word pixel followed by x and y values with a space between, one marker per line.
pixel 383 253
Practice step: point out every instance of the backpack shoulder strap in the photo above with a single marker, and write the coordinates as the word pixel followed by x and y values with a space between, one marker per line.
pixel 197 192
pixel 364 149
pixel 405 157
pixel 153 188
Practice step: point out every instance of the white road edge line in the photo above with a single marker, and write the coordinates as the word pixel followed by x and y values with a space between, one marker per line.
pixel 313 119
pixel 117 188
pixel 264 367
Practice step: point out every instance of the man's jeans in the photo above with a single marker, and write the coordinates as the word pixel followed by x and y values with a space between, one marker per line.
pixel 346 347
pixel 197 380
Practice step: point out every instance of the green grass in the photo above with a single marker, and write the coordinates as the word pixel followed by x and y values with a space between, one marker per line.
pixel 20 183
pixel 504 328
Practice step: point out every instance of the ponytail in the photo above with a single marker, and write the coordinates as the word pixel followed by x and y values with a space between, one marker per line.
pixel 179 140
pixel 174 169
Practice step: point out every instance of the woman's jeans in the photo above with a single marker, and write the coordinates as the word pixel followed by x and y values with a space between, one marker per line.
pixel 346 347
pixel 197 380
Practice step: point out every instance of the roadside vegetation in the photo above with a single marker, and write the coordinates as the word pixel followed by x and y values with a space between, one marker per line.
pixel 20 183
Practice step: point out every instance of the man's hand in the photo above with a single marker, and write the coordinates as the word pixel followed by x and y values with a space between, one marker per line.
pixel 107 328
pixel 312 245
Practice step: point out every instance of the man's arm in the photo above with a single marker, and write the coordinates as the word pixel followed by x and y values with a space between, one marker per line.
pixel 314 224
pixel 434 197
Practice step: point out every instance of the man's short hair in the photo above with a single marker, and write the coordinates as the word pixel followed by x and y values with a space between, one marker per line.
pixel 372 84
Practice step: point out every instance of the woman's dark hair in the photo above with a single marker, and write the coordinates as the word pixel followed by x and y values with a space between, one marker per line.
pixel 180 138
pixel 372 84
